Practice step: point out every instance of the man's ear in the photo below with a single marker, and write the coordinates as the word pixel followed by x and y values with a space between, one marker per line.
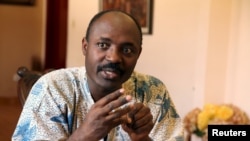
pixel 84 46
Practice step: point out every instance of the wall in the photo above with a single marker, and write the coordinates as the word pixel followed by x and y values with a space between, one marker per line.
pixel 238 64
pixel 217 51
pixel 21 41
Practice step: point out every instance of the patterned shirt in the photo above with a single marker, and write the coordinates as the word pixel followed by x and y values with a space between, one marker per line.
pixel 59 101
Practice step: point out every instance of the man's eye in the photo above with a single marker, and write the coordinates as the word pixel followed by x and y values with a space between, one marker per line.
pixel 102 45
pixel 127 50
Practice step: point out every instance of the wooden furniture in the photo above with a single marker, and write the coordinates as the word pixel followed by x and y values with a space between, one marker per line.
pixel 26 81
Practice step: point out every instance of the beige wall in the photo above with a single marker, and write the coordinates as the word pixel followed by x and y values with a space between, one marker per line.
pixel 238 64
pixel 199 48
pixel 217 51
pixel 21 39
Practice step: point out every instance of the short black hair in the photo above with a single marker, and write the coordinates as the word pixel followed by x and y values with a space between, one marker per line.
pixel 98 15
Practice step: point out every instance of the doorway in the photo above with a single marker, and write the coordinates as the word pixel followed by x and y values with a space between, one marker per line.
pixel 56 34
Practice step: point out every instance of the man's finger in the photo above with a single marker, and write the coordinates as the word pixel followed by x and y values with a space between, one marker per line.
pixel 110 97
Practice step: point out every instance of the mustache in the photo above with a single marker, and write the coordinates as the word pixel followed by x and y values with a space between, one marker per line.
pixel 110 66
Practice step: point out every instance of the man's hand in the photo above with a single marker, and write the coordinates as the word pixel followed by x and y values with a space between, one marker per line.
pixel 139 123
pixel 104 115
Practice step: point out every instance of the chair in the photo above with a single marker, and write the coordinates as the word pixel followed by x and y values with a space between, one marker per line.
pixel 26 81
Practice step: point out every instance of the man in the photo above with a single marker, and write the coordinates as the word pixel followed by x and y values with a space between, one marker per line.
pixel 106 99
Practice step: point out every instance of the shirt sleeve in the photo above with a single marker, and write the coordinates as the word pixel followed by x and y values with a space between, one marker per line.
pixel 168 125
pixel 44 116
pixel 167 122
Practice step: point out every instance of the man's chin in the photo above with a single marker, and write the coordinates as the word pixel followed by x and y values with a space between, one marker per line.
pixel 110 87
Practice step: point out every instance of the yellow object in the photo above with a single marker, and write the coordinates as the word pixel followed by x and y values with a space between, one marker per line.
pixel 224 113
pixel 212 112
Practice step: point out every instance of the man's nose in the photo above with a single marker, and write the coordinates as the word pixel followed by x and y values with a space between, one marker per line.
pixel 113 55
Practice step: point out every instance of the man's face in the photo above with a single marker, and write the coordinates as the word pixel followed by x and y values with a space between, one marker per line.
pixel 111 52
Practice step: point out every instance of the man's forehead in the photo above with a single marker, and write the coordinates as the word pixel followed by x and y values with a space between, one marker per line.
pixel 114 20
pixel 114 16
